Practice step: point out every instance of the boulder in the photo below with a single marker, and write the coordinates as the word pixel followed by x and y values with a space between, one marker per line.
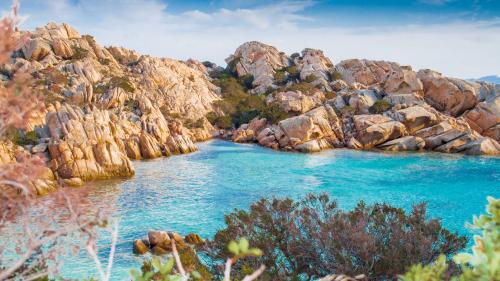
pixel 157 237
pixel 139 247
pixel 408 143
pixel 296 101
pixel 485 115
pixel 482 146
pixel 416 118
pixel 36 49
pixel 260 61
pixel 73 182
pixel 62 48
pixel 361 100
pixel 449 95
pixel 373 130
pixel 193 238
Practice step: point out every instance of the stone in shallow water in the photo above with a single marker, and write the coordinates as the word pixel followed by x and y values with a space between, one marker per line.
pixel 140 248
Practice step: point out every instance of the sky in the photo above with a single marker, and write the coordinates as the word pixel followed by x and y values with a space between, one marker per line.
pixel 458 38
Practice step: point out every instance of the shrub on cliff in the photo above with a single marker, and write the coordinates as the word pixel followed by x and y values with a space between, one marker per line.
pixel 310 238
pixel 380 106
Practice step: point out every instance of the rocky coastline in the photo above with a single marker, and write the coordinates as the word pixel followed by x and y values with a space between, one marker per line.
pixel 106 106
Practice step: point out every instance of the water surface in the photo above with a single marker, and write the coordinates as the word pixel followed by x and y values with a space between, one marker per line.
pixel 191 193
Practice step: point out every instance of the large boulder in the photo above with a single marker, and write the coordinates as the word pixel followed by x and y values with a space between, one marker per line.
pixel 296 101
pixel 416 118
pixel 485 116
pixel 394 79
pixel 408 143
pixel 260 61
pixel 449 95
pixel 373 130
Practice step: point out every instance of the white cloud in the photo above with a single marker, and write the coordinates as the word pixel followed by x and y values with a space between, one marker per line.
pixel 466 49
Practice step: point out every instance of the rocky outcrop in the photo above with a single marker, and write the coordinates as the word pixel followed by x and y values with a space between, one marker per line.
pixel 372 130
pixel 296 101
pixel 394 79
pixel 260 61
pixel 408 143
pixel 160 242
pixel 449 95
pixel 485 117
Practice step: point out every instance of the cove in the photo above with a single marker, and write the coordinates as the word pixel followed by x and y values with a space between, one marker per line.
pixel 191 193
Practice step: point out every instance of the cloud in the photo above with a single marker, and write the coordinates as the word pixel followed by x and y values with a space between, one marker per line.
pixel 461 49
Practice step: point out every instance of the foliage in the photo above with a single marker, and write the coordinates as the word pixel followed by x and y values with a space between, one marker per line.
pixel 22 138
pixel 240 107
pixel 311 238
pixel 115 81
pixel 484 261
pixel 247 81
pixel 335 75
pixel 304 87
pixel 347 111
pixel 190 124
pixel 79 53
pixel 131 105
pixel 380 106
pixel 310 78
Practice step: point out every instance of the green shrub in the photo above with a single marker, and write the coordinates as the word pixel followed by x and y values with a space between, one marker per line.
pixel 274 113
pixel 191 124
pixel 224 122
pixel 380 106
pixel 484 261
pixel 79 53
pixel 335 75
pixel 348 111
pixel 293 72
pixel 122 82
pixel 280 77
pixel 22 138
pixel 303 86
pixel 295 55
pixel 247 81
pixel 311 238
pixel 310 78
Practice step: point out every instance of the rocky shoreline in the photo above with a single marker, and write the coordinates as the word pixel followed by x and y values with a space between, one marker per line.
pixel 106 106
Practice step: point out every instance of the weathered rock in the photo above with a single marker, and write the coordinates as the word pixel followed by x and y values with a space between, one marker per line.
pixel 408 143
pixel 394 78
pixel 415 118
pixel 485 116
pixel 373 130
pixel 113 98
pixel 193 238
pixel 361 100
pixel 36 49
pixel 157 237
pixel 73 182
pixel 260 61
pixel 139 247
pixel 62 48
pixel 314 63
pixel 296 101
pixel 482 146
pixel 452 96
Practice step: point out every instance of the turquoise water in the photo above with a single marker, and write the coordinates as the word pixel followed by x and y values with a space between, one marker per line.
pixel 191 193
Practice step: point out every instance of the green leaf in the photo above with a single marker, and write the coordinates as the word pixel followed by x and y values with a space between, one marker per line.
pixel 167 268
pixel 243 245
pixel 233 248
pixel 156 263
pixel 148 275
pixel 462 258
pixel 135 274
pixel 255 252
pixel 196 275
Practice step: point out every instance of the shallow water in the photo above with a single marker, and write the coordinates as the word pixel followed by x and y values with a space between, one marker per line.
pixel 191 193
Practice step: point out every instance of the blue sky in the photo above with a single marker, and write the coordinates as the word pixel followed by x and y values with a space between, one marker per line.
pixel 458 38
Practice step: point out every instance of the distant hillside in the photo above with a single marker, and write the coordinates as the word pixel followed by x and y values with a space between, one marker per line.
pixel 491 78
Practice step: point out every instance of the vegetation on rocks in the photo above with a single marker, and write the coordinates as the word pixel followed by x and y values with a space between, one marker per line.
pixel 380 106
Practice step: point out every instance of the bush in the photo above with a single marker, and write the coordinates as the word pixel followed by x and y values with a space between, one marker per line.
pixel 247 81
pixel 79 53
pixel 311 238
pixel 22 138
pixel 482 264
pixel 380 106
pixel 122 82
pixel 304 87
pixel 310 78
pixel 335 75
pixel 130 105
